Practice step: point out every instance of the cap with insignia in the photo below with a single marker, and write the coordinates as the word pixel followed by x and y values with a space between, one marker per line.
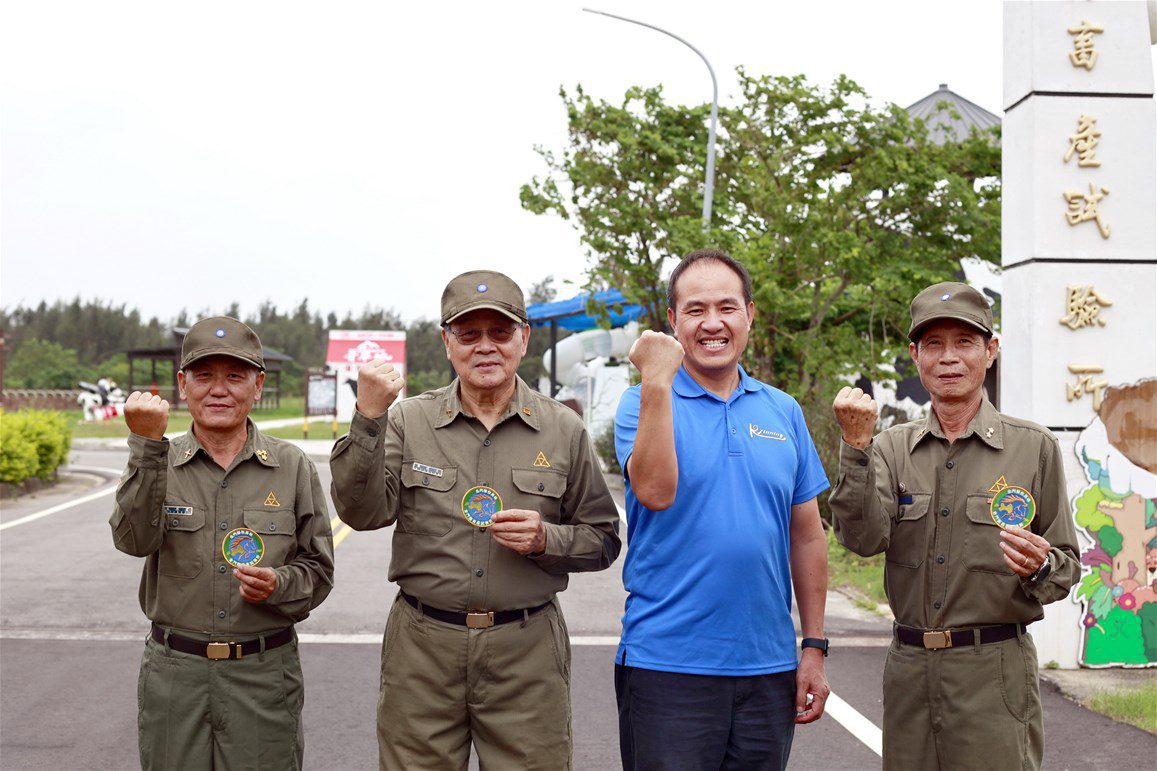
pixel 221 336
pixel 950 300
pixel 478 289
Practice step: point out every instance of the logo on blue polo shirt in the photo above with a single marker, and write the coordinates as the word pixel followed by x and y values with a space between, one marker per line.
pixel 765 433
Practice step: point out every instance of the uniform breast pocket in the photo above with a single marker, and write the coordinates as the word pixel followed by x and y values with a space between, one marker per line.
pixel 181 551
pixel 428 503
pixel 909 544
pixel 539 490
pixel 277 530
pixel 982 550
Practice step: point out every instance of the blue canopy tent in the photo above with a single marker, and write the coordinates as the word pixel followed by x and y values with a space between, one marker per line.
pixel 572 314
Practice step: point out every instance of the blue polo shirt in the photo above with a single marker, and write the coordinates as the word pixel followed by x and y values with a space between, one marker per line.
pixel 708 578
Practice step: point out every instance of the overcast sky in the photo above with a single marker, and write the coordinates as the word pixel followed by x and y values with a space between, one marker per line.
pixel 187 155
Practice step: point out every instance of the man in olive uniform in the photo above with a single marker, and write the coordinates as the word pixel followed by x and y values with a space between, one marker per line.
pixel 970 509
pixel 236 534
pixel 496 496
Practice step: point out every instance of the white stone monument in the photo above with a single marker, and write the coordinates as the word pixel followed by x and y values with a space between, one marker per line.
pixel 1079 296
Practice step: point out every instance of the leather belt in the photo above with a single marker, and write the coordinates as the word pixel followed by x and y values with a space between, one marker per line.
pixel 936 639
pixel 474 619
pixel 219 651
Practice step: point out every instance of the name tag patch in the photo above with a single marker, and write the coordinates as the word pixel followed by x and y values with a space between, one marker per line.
pixel 433 471
pixel 180 511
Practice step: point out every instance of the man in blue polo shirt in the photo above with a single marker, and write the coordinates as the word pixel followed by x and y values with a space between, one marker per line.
pixel 722 478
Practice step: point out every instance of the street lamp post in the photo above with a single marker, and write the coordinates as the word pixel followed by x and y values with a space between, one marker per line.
pixel 709 187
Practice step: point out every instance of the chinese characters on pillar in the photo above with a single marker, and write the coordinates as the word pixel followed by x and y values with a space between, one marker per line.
pixel 1086 382
pixel 1084 142
pixel 1083 54
pixel 1082 207
pixel 1083 305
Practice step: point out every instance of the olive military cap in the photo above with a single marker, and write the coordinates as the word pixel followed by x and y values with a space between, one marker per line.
pixel 950 300
pixel 478 289
pixel 221 336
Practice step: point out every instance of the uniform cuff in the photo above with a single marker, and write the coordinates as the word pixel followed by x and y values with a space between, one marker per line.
pixel 144 451
pixel 854 461
pixel 367 432
pixel 553 542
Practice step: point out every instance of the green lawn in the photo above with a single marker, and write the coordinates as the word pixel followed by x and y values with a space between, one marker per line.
pixel 317 430
pixel 291 407
pixel 1135 706
pixel 862 577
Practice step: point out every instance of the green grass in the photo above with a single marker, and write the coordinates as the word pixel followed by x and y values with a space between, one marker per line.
pixel 862 577
pixel 317 430
pixel 179 420
pixel 1134 706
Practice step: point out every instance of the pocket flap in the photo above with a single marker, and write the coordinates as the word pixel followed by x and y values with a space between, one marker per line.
pixel 187 523
pixel 414 477
pixel 265 522
pixel 917 509
pixel 979 509
pixel 540 481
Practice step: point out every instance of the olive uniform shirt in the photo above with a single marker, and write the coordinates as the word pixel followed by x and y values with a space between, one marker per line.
pixel 413 466
pixel 175 505
pixel 925 503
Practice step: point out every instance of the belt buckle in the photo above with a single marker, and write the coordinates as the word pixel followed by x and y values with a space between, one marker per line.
pixel 938 640
pixel 479 620
pixel 218 651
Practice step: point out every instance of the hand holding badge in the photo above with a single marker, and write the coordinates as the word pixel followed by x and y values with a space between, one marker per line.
pixel 1013 509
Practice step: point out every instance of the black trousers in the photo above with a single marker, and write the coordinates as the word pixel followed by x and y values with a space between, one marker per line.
pixel 679 722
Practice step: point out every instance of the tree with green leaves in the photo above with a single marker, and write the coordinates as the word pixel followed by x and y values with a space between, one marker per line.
pixel 842 212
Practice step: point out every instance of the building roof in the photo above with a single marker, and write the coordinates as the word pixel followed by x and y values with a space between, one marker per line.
pixel 971 115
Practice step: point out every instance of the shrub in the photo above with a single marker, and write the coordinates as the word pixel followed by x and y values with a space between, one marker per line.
pixel 33 443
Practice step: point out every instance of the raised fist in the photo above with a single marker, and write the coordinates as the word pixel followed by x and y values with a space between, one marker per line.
pixel 856 413
pixel 146 415
pixel 378 386
pixel 657 357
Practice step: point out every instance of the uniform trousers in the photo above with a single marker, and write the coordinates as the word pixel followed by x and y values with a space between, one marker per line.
pixel 968 707
pixel 194 713
pixel 506 689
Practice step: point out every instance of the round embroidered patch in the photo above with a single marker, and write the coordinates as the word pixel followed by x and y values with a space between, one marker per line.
pixel 480 504
pixel 242 547
pixel 1013 507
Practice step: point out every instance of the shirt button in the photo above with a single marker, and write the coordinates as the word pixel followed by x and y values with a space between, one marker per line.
pixel 221 568
pixel 733 430
pixel 950 464
pixel 944 512
pixel 479 572
pixel 272 527
pixel 224 482
pixel 541 487
pixel 862 461
pixel 486 443
pixel 940 559
pixel 220 614
pixel 224 526
pixel 426 482
pixel 936 605
pixel 372 430
pixel 176 522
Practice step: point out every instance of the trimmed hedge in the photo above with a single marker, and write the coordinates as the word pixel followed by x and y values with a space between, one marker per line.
pixel 33 443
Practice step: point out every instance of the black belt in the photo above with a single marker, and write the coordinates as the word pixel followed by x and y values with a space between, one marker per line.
pixel 222 650
pixel 476 619
pixel 944 638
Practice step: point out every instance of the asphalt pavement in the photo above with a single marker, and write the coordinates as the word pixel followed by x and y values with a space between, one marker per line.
pixel 71 631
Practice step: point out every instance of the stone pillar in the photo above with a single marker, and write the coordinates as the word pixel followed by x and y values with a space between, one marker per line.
pixel 1079 294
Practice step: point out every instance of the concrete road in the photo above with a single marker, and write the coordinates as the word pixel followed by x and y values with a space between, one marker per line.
pixel 71 632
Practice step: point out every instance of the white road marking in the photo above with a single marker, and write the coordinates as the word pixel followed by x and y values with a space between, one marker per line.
pixel 55 509
pixel 858 725
pixel 622 511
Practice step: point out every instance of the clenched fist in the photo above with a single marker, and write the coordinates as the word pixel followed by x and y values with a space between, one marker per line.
pixel 378 386
pixel 657 357
pixel 856 413
pixel 147 415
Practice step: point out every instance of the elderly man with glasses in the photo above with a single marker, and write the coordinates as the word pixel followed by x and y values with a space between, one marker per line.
pixel 497 497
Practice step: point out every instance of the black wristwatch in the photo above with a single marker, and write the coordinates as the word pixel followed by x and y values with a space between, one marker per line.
pixel 815 642
pixel 1041 573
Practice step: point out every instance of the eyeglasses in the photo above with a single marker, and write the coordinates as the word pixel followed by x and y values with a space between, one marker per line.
pixel 498 335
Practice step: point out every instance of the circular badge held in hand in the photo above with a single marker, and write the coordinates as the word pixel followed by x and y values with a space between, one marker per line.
pixel 242 548
pixel 480 504
pixel 1013 507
